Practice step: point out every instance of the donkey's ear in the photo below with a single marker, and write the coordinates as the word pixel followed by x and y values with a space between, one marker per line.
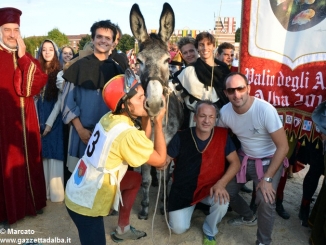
pixel 167 22
pixel 137 24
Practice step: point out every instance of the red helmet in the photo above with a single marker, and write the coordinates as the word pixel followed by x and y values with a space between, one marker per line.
pixel 117 88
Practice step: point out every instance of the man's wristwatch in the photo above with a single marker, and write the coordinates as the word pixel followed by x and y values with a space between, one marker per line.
pixel 268 179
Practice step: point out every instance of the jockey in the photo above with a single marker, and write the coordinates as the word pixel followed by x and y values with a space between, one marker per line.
pixel 100 182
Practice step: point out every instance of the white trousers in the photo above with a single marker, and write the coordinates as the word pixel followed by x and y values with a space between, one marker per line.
pixel 179 220
pixel 53 173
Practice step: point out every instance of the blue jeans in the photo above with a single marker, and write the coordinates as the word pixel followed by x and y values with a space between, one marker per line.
pixel 90 229
pixel 179 220
pixel 265 211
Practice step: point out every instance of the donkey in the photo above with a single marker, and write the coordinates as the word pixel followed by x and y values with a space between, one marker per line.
pixel 153 58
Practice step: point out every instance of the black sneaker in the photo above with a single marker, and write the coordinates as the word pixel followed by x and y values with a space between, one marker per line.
pixel 281 211
pixel 114 213
pixel 304 215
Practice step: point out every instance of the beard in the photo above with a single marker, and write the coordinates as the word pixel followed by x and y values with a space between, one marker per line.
pixel 8 45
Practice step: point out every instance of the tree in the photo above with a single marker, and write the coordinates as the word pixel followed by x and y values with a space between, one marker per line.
pixel 58 37
pixel 237 35
pixel 126 43
pixel 83 41
pixel 33 43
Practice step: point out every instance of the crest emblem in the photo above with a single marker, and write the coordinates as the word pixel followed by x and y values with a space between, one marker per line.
pixel 80 173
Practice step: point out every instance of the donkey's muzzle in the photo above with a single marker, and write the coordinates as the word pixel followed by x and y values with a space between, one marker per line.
pixel 154 100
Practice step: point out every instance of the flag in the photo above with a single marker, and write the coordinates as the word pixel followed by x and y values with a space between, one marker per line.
pixel 283 56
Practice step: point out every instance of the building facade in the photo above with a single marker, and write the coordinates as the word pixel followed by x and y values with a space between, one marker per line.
pixel 74 40
pixel 224 31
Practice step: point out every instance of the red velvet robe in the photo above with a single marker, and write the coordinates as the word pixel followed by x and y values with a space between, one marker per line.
pixel 22 185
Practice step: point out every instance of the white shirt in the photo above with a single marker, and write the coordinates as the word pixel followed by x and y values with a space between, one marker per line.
pixel 254 127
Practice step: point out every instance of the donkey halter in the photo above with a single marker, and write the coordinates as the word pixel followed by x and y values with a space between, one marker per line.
pixel 166 89
pixel 166 92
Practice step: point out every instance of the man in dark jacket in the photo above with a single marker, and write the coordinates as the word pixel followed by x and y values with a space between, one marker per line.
pixel 120 58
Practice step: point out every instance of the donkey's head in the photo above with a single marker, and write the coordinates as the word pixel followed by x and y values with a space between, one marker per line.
pixel 153 56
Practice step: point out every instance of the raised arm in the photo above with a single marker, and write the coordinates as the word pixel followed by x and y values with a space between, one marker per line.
pixel 29 78
pixel 146 126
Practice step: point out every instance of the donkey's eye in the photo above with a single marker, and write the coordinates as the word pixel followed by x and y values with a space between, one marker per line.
pixel 139 61
pixel 167 60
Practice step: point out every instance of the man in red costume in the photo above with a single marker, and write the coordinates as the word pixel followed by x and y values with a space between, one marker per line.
pixel 22 187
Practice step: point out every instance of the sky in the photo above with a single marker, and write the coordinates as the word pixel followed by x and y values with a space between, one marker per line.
pixel 73 17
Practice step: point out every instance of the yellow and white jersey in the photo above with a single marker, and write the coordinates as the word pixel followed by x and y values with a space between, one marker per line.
pixel 93 188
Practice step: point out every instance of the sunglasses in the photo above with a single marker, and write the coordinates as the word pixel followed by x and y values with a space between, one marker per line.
pixel 239 89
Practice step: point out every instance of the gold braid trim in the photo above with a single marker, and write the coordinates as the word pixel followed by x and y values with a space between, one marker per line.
pixel 14 59
pixel 296 110
pixel 30 78
pixel 22 107
pixel 30 74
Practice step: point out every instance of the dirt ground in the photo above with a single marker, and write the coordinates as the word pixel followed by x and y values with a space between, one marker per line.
pixel 56 227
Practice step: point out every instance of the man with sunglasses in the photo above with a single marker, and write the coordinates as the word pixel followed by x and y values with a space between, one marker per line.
pixel 263 150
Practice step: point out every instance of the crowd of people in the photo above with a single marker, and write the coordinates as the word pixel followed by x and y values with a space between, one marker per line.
pixel 86 111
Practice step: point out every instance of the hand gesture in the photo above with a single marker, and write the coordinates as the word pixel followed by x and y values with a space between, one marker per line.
pixel 84 135
pixel 161 114
pixel 21 47
pixel 46 130
pixel 267 190
pixel 167 162
pixel 219 192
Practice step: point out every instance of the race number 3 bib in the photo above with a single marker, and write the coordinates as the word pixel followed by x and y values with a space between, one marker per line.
pixel 99 144
pixel 88 175
pixel 95 146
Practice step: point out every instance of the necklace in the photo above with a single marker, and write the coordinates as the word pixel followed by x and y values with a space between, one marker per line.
pixel 193 138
